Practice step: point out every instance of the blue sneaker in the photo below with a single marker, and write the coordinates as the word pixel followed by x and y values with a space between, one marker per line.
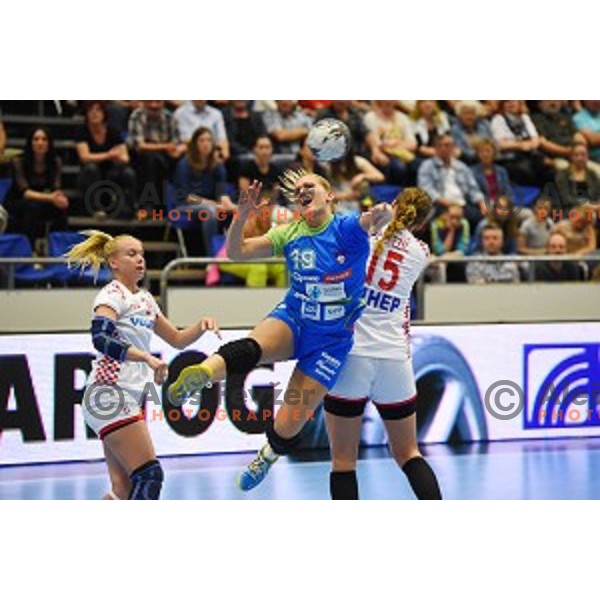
pixel 191 381
pixel 257 470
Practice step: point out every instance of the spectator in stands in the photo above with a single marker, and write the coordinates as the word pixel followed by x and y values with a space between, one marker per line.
pixel 428 123
pixel 104 156
pixel 39 204
pixel 345 112
pixel 261 167
pixel 450 235
pixel 306 159
pixel 469 129
pixel 491 177
pixel 535 230
pixel 587 122
pixel 154 137
pixel 193 114
pixel 392 142
pixel 579 230
pixel 312 107
pixel 450 232
pixel 559 270
pixel 351 179
pixel 287 126
pixel 503 216
pixel 119 112
pixel 243 128
pixel 449 181
pixel 200 183
pixel 556 131
pixel 577 184
pixel 496 271
pixel 519 142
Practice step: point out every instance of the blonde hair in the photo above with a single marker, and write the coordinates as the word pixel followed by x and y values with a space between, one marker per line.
pixel 412 207
pixel 290 178
pixel 415 114
pixel 94 251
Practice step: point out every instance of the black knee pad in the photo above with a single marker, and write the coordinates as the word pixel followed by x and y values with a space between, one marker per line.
pixel 397 412
pixel 240 356
pixel 344 408
pixel 146 481
pixel 282 446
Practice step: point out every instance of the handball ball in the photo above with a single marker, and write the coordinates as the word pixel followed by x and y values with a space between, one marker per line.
pixel 329 139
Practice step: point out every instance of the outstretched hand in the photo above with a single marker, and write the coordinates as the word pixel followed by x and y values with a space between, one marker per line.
pixel 248 202
pixel 376 218
pixel 210 324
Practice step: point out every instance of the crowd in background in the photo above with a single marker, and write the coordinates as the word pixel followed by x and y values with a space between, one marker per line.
pixel 506 177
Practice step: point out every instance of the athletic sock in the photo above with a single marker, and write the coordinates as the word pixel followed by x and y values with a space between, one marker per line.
pixel 269 453
pixel 422 479
pixel 343 485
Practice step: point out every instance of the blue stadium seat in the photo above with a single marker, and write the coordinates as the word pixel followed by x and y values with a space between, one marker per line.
pixel 16 245
pixel 525 195
pixel 60 242
pixel 385 193
pixel 5 185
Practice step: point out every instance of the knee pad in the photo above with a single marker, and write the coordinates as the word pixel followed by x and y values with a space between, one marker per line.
pixel 281 446
pixel 240 356
pixel 344 408
pixel 397 412
pixel 146 481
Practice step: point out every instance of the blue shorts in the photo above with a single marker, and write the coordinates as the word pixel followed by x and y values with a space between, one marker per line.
pixel 320 351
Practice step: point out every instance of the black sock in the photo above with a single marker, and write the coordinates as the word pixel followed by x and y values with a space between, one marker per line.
pixel 343 485
pixel 422 479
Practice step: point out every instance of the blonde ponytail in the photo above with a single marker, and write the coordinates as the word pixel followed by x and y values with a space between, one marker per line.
pixel 412 207
pixel 91 252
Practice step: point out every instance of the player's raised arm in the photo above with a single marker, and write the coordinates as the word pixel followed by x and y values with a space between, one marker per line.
pixel 377 218
pixel 239 248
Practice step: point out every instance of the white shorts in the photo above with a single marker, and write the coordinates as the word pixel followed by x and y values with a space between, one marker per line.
pixel 107 407
pixel 384 381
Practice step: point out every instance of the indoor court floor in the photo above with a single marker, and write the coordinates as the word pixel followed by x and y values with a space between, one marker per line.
pixel 543 469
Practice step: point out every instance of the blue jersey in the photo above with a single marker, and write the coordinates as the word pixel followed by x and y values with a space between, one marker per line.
pixel 327 269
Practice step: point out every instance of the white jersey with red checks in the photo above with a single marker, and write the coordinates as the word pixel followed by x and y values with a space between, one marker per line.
pixel 383 330
pixel 136 315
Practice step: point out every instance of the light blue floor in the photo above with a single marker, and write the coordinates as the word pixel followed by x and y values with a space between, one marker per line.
pixel 568 469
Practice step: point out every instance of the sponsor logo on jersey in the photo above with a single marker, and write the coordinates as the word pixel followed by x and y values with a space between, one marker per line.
pixel 335 277
pixel 330 313
pixel 304 278
pixel 140 322
pixel 326 292
pixel 380 300
pixel 311 310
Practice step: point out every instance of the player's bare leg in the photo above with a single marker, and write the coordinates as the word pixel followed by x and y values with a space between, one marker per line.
pixel 271 340
pixel 344 440
pixel 301 398
pixel 132 448
pixel 402 436
pixel 119 477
